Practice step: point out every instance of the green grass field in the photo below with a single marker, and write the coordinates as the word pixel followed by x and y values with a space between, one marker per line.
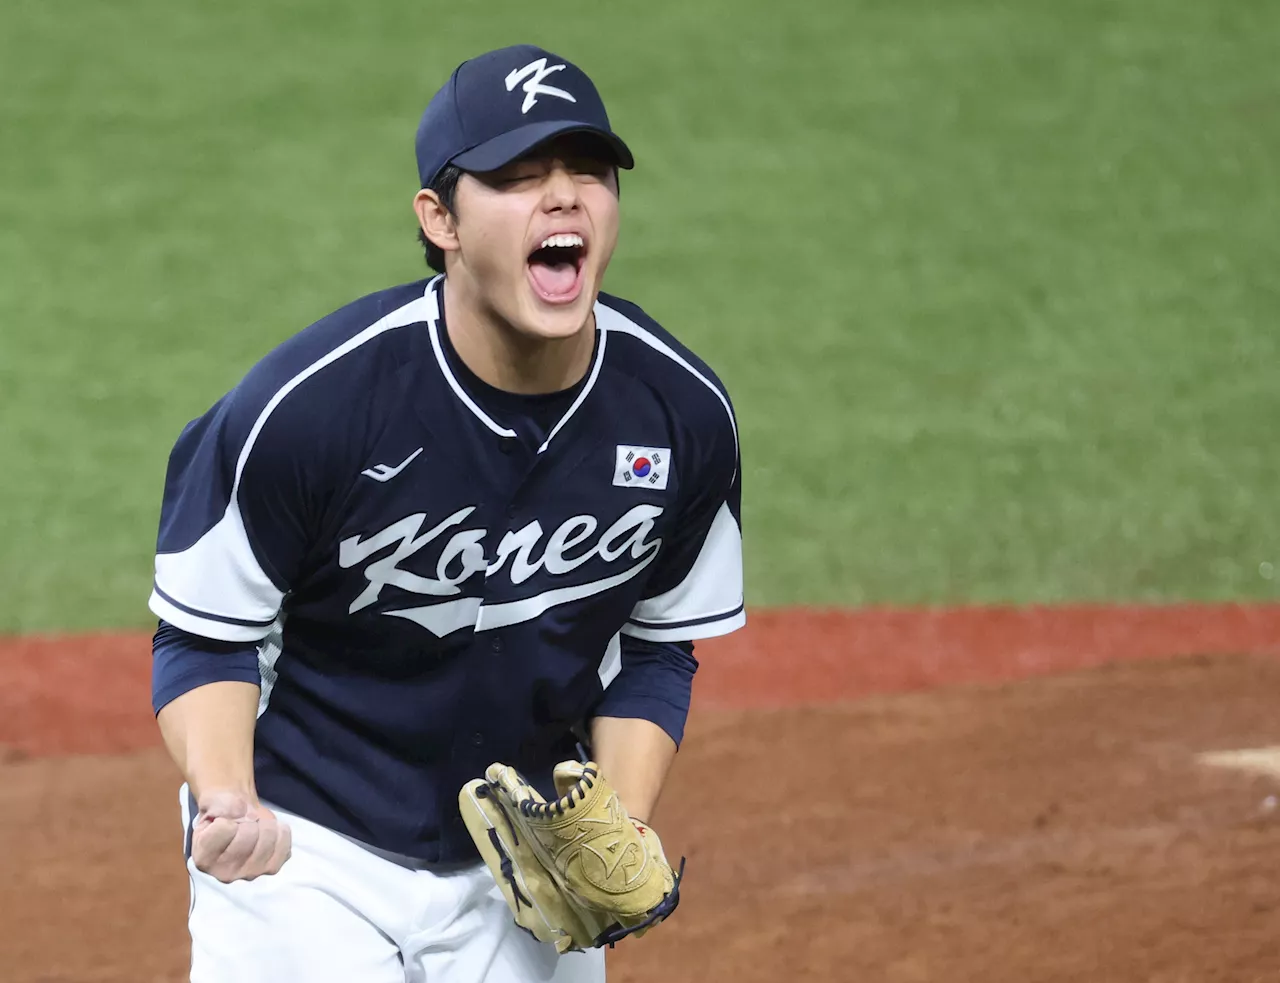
pixel 995 286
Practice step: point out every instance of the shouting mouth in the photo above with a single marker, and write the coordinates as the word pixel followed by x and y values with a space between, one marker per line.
pixel 555 268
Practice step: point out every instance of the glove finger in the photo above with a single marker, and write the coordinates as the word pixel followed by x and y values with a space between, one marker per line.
pixel 568 774
pixel 506 852
pixel 512 784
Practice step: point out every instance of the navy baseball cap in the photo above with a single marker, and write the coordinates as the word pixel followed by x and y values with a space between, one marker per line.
pixel 500 105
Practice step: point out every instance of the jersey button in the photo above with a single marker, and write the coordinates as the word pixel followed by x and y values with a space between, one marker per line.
pixel 477 739
pixel 496 643
pixel 507 445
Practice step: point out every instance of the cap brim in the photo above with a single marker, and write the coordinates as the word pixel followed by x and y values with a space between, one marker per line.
pixel 503 149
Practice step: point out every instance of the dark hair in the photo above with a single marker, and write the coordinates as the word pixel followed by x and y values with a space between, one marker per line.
pixel 445 186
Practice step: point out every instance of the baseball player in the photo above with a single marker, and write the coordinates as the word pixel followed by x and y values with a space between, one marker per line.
pixel 428 580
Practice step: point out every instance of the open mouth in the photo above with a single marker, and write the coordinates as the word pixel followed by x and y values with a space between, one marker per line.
pixel 555 267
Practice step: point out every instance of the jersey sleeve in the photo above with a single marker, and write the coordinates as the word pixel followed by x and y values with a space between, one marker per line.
pixel 696 590
pixel 235 519
pixel 181 661
pixel 655 683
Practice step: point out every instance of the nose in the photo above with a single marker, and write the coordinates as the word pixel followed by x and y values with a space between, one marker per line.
pixel 560 190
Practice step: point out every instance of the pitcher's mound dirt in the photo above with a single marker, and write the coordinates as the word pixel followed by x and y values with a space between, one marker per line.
pixel 1054 829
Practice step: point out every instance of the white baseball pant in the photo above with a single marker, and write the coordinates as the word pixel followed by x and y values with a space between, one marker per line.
pixel 339 912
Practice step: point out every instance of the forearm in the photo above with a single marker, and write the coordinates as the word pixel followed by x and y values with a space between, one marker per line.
pixel 635 755
pixel 209 734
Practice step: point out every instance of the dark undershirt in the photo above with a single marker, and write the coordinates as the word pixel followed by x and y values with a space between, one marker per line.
pixel 530 415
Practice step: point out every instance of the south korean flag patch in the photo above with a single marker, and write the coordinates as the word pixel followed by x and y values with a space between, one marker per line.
pixel 642 467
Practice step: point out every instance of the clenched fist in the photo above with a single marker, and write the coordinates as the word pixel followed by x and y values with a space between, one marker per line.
pixel 234 838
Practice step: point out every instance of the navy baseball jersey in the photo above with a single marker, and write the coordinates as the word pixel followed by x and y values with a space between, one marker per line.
pixel 428 590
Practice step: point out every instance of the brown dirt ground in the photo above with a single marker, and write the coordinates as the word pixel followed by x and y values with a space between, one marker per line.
pixel 1055 828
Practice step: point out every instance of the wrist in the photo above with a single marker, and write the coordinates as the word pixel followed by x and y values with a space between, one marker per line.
pixel 203 787
pixel 217 803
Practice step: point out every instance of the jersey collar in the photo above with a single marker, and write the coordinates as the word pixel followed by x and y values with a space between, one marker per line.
pixel 433 297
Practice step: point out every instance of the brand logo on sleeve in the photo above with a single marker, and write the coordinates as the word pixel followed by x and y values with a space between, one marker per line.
pixel 642 467
pixel 384 472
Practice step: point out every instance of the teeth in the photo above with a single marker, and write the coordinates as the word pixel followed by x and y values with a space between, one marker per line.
pixel 565 240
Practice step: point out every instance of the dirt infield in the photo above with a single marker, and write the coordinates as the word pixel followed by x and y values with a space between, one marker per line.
pixel 837 827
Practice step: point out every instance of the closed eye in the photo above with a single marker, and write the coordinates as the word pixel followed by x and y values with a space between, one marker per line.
pixel 589 166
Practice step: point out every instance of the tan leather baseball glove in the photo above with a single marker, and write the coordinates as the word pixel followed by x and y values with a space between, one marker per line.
pixel 577 872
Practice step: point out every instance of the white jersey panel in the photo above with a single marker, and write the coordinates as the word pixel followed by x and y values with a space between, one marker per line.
pixel 216 587
pixel 708 602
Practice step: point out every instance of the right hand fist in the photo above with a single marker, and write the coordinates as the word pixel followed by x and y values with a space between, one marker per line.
pixel 235 838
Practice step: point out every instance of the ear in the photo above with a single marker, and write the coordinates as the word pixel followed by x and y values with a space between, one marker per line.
pixel 437 223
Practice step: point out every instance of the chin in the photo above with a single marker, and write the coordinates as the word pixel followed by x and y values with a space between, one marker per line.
pixel 562 320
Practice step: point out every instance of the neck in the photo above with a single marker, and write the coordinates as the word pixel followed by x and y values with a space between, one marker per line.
pixel 506 359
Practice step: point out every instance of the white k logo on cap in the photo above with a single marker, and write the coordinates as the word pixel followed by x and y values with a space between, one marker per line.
pixel 538 70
